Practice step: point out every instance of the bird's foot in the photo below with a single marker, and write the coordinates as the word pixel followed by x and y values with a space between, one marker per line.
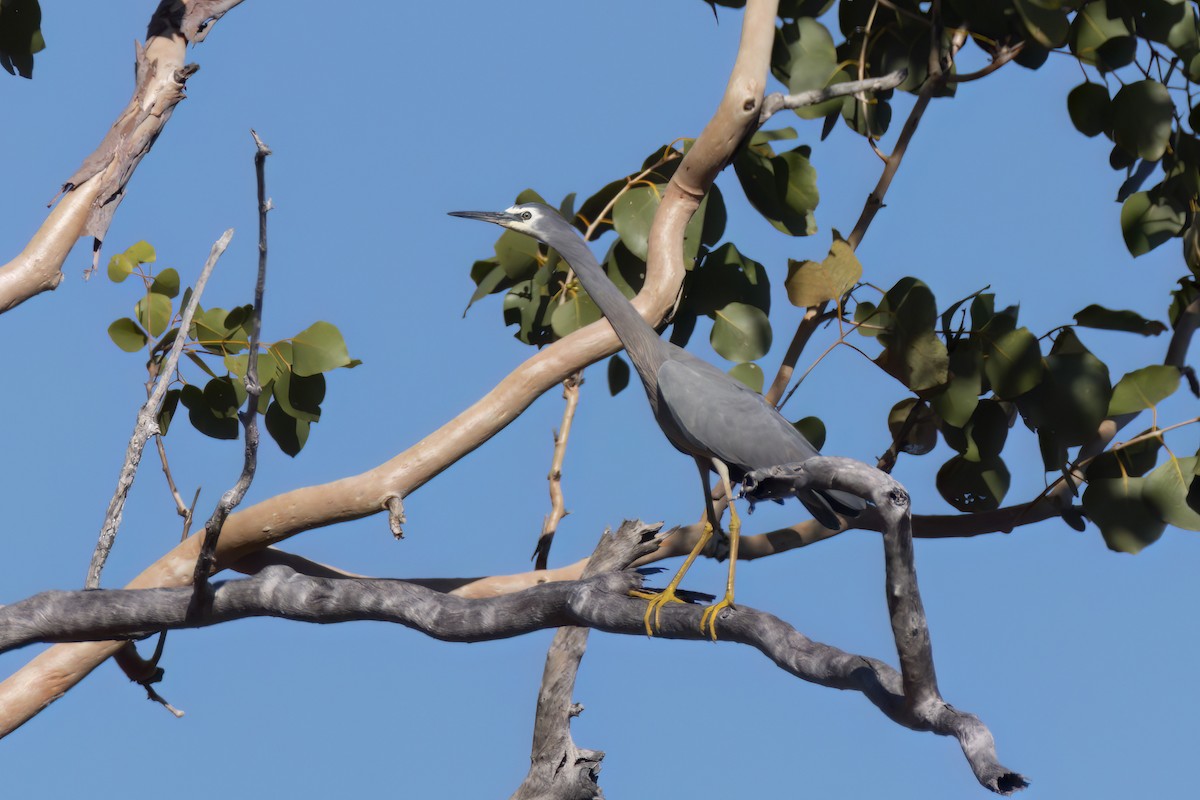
pixel 709 617
pixel 654 607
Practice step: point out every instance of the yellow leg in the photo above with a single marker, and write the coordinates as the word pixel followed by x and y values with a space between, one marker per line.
pixel 709 617
pixel 660 599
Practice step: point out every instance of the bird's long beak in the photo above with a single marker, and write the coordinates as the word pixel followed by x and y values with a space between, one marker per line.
pixel 497 217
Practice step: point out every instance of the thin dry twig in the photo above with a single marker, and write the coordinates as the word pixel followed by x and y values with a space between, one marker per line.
pixel 147 424
pixel 541 553
pixel 248 416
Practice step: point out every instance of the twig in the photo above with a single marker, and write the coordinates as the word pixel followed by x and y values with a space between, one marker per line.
pixel 248 416
pixel 1005 55
pixel 541 553
pixel 147 424
pixel 777 101
pixel 396 518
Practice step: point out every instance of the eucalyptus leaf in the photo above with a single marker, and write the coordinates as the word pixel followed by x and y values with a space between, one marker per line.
pixel 741 332
pixel 127 335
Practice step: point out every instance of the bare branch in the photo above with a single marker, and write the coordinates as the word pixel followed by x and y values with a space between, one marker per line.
pixel 558 508
pixel 249 415
pixel 601 602
pixel 776 102
pixel 557 767
pixel 909 626
pixel 91 195
pixel 147 422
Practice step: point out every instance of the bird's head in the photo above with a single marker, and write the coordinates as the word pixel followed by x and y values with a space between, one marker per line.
pixel 532 219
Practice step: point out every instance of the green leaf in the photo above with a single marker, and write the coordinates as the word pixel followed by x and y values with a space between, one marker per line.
pixel 957 402
pixel 517 255
pixel 267 366
pixel 166 283
pixel 120 267
pixel 167 412
pixel 1143 113
pixel 153 313
pixel 782 188
pixel 1098 40
pixel 1143 388
pixel 142 253
pixel 300 396
pixel 983 436
pixel 1147 222
pixel 726 276
pixel 126 335
pixel 618 375
pixel 973 486
pixel 1095 316
pixel 577 311
pixel 813 429
pixel 224 397
pixel 870 119
pixel 810 284
pixel 1166 491
pixel 1072 398
pixel 750 374
pixel 1046 23
pixel 741 332
pixel 633 215
pixel 201 415
pixel 1090 108
pixel 921 436
pixel 1173 23
pixel 1118 506
pixel 913 353
pixel 1012 359
pixel 1132 460
pixel 804 58
pixel 318 348
pixel 288 432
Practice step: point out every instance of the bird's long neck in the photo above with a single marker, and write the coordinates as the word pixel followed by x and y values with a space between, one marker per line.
pixel 641 342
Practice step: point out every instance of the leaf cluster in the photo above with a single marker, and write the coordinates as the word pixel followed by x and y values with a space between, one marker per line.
pixel 290 371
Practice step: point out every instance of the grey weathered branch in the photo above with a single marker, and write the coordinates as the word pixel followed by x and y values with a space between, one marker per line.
pixel 249 415
pixel 777 102
pixel 921 699
pixel 147 421
pixel 601 602
pixel 91 195
pixel 557 768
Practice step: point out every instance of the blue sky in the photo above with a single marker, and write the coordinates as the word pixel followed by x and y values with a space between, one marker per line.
pixel 1077 658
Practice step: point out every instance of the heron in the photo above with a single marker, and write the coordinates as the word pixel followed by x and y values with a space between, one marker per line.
pixel 724 425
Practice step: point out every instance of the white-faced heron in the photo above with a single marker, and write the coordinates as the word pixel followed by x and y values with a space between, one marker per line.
pixel 722 424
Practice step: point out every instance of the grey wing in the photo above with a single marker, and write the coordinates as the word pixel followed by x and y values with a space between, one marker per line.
pixel 715 415
pixel 706 413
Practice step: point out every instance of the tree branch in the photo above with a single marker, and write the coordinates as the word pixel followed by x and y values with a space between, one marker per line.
pixel 147 422
pixel 910 629
pixel 91 195
pixel 776 102
pixel 558 508
pixel 249 415
pixel 559 769
pixel 601 602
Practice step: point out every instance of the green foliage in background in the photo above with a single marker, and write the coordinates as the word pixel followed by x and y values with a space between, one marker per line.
pixel 971 370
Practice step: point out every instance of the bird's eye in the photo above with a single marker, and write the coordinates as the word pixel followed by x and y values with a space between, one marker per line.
pixel 525 215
